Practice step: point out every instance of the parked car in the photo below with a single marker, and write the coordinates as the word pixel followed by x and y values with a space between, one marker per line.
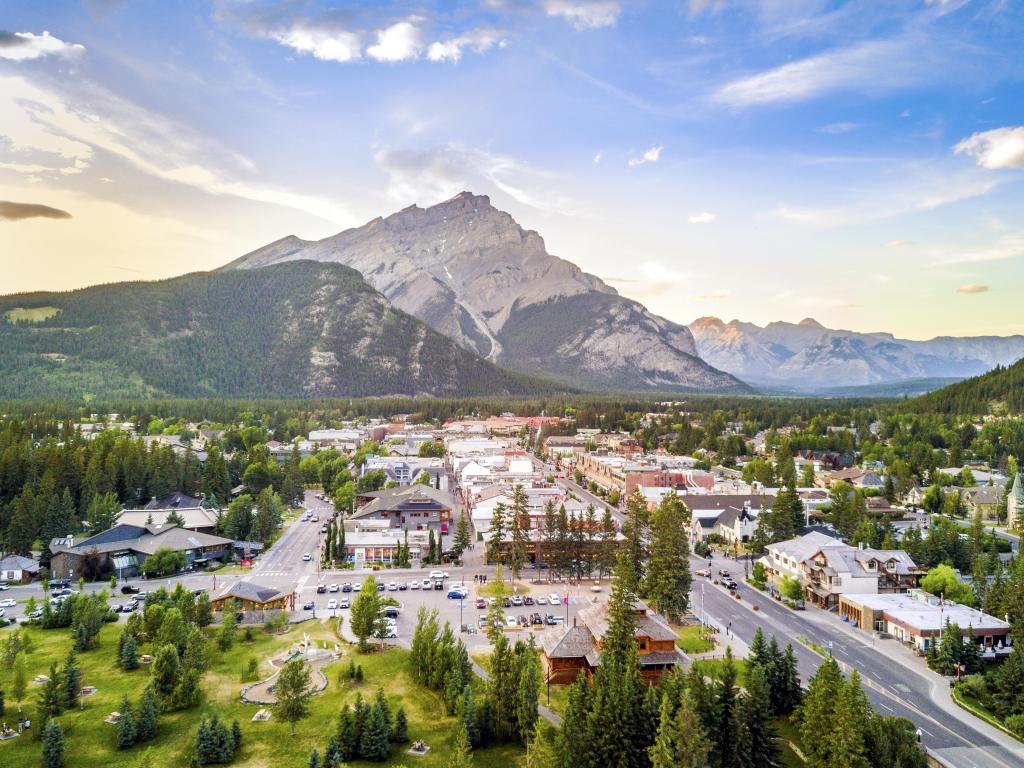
pixel 438 585
pixel 390 612
pixel 308 605
pixel 344 603
pixel 527 600
pixel 402 586
pixel 551 620
pixel 128 589
pixel 428 584
pixel 380 586
pixel 307 557
pixel 59 583
pixel 132 605
pixel 542 600
pixel 346 587
pixel 510 622
pixel 537 619
pixel 36 614
pixel 481 604
pixel 393 586
pixel 332 588
pixel 554 599
pixel 321 589
pixel 113 608
pixel 8 603
pixel 4 585
pixel 482 621
pixel 729 583
pixel 457 593
pixel 357 587
pixel 705 572
pixel 414 585
pixel 438 575
pixel 723 573
pixel 517 600
pixel 506 602
pixel 332 604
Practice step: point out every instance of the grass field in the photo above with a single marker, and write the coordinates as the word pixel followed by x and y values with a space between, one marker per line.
pixel 713 668
pixel 788 733
pixel 34 315
pixel 691 641
pixel 90 743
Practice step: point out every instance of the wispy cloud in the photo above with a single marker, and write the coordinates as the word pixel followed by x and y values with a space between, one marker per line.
pixel 998 148
pixel 652 155
pixel 713 296
pixel 1010 246
pixel 704 217
pixel 872 66
pixel 478 40
pixel 18 211
pixel 585 14
pixel 426 175
pixel 23 46
pixel 972 288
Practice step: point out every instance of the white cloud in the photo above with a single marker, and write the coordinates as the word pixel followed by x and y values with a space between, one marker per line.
pixel 22 46
pixel 839 128
pixel 972 288
pixel 998 148
pixel 324 43
pixel 1010 246
pixel 704 217
pixel 874 65
pixel 585 14
pixel 598 157
pixel 477 40
pixel 652 155
pixel 399 42
pixel 427 175
pixel 715 295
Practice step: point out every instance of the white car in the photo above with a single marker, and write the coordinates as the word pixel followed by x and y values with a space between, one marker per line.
pixel 554 599
pixel 307 557
pixel 8 603
pixel 2 613
pixel 357 587
pixel 332 604
pixel 542 600
pixel 414 585
pixel 344 603
pixel 438 575
pixel 511 623
pixel 393 586
pixel 428 584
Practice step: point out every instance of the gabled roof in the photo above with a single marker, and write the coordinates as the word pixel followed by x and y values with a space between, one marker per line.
pixel 19 563
pixel 396 499
pixel 143 539
pixel 193 517
pixel 254 593
pixel 576 642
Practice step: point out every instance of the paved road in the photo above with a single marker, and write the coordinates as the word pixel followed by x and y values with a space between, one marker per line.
pixel 892 687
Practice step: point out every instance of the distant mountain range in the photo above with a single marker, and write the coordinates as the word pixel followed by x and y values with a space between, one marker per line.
pixel 808 357
pixel 303 329
pixel 472 273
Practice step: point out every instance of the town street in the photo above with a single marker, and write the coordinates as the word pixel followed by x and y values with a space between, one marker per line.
pixel 953 734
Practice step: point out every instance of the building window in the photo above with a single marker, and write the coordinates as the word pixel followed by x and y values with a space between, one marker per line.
pixel 836 581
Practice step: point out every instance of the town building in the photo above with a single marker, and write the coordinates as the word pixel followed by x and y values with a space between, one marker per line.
pixel 413 508
pixel 197 518
pixel 984 500
pixel 733 518
pixel 376 541
pixel 17 569
pixel 256 603
pixel 827 568
pixel 578 648
pixel 124 548
pixel 918 618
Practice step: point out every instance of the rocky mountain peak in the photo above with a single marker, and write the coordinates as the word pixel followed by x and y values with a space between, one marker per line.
pixel 810 322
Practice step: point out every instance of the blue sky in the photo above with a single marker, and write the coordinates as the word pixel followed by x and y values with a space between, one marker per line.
pixel 858 162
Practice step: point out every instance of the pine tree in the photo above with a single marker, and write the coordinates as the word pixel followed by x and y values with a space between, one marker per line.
pixel 129 655
pixel 636 531
pixel 332 754
pixel 518 525
pixel 52 697
pixel 292 691
pixel 348 737
pixel 497 534
pixel 146 715
pixel 53 744
pixel 375 740
pixel 527 693
pixel 72 680
pixel 667 582
pixel 818 717
pixel 236 736
pixel 381 701
pixel 126 725
pixel 756 712
pixel 165 670
pixel 461 757
pixel 314 759
pixel 725 737
pixel 400 733
pixel 681 741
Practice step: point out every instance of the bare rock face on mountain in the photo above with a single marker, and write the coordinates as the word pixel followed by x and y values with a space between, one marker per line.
pixel 810 357
pixel 472 273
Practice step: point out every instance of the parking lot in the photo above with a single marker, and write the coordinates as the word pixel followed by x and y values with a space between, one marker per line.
pixel 456 612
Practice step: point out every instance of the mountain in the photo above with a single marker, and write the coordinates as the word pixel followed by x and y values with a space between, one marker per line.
pixel 472 273
pixel 809 357
pixel 303 329
pixel 1000 391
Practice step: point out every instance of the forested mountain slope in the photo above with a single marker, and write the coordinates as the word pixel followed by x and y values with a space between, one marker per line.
pixel 302 329
pixel 1000 391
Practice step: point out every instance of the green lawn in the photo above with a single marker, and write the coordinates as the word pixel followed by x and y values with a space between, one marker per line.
pixel 90 743
pixel 691 641
pixel 713 668
pixel 34 315
pixel 788 733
